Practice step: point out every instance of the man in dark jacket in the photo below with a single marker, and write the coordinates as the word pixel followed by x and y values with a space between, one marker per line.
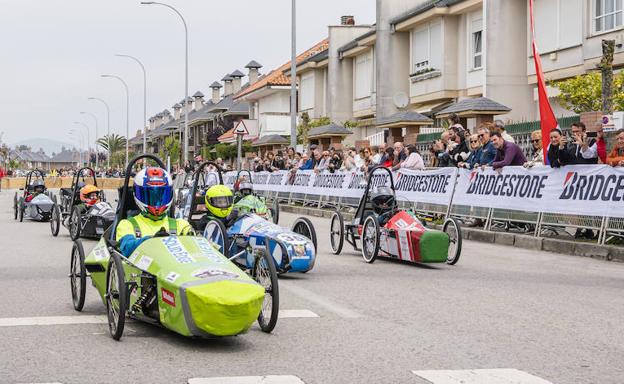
pixel 507 153
pixel 581 150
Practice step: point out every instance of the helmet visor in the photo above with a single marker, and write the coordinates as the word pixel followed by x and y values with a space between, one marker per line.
pixel 154 196
pixel 222 202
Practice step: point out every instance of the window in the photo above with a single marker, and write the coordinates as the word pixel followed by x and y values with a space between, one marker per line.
pixel 608 15
pixel 363 75
pixel 427 47
pixel 558 25
pixel 477 49
pixel 307 91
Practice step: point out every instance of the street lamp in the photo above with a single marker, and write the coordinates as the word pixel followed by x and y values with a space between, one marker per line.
pixel 293 78
pixel 97 162
pixel 186 86
pixel 127 112
pixel 144 99
pixel 107 126
pixel 88 140
pixel 80 140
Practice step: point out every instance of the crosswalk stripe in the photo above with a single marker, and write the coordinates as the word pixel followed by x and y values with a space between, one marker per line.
pixel 479 376
pixel 271 379
pixel 51 320
pixel 296 313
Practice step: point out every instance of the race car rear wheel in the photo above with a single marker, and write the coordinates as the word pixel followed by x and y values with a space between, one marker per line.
pixel 116 296
pixel 22 208
pixel 216 233
pixel 15 205
pixel 452 229
pixel 78 276
pixel 275 211
pixel 55 220
pixel 370 239
pixel 265 274
pixel 74 224
pixel 304 227
pixel 336 234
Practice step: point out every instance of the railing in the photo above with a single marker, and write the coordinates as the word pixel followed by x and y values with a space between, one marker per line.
pixel 376 139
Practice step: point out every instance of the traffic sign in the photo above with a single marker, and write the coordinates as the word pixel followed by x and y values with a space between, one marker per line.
pixel 241 129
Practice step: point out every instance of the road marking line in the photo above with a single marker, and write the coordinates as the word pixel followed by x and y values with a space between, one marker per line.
pixel 339 309
pixel 51 320
pixel 479 376
pixel 296 314
pixel 272 379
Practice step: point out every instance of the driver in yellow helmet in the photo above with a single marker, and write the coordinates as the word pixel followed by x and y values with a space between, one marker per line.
pixel 219 202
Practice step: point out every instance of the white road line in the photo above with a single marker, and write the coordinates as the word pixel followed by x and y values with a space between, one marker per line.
pixel 277 379
pixel 296 314
pixel 339 309
pixel 480 376
pixel 51 320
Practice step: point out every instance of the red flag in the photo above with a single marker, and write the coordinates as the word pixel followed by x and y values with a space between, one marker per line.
pixel 548 121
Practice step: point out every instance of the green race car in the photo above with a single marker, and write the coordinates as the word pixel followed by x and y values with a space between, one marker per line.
pixel 180 282
pixel 247 201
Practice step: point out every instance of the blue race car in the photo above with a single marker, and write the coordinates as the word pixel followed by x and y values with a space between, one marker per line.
pixel 292 250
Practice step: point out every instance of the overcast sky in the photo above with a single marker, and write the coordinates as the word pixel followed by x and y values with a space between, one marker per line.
pixel 53 52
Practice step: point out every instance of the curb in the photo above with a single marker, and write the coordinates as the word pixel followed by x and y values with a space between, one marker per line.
pixel 566 247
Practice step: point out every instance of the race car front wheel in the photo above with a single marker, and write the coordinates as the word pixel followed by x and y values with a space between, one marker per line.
pixel 452 229
pixel 265 274
pixel 15 206
pixel 74 224
pixel 116 296
pixel 370 239
pixel 275 211
pixel 78 276
pixel 336 234
pixel 21 210
pixel 304 227
pixel 55 220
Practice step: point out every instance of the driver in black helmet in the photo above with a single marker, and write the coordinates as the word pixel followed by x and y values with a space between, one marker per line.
pixel 38 187
pixel 384 204
pixel 243 189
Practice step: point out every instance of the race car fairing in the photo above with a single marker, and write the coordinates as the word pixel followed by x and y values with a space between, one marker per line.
pixel 81 220
pixel 386 230
pixel 34 200
pixel 249 235
pixel 247 201
pixel 180 282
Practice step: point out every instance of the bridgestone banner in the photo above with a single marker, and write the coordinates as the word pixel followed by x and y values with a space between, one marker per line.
pixel 434 186
pixel 594 190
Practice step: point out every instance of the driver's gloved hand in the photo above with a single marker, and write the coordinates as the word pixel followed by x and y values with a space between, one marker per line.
pixel 162 233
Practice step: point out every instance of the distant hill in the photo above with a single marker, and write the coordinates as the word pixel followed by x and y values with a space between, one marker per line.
pixel 48 145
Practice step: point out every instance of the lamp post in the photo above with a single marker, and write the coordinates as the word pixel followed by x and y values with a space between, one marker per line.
pixel 293 78
pixel 97 162
pixel 127 111
pixel 81 139
pixel 144 99
pixel 73 131
pixel 186 60
pixel 107 126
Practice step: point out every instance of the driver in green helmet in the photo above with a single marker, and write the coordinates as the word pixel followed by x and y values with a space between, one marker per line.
pixel 219 202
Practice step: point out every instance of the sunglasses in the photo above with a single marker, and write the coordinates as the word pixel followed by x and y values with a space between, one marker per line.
pixel 481 135
pixel 474 141
pixel 535 141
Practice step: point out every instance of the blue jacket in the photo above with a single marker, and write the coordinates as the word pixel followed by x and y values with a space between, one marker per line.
pixel 308 165
pixel 474 158
pixel 488 153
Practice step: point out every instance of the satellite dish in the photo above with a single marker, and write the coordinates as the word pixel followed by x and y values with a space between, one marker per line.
pixel 401 100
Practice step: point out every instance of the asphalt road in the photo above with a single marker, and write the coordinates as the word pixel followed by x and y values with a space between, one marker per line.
pixel 556 317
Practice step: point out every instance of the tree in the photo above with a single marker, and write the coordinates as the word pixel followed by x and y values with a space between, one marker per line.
pixel 583 93
pixel 172 148
pixel 113 143
pixel 306 124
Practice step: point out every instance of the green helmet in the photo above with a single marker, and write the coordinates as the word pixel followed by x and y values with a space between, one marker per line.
pixel 219 200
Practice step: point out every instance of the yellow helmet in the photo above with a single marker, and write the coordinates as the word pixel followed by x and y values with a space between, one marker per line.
pixel 219 200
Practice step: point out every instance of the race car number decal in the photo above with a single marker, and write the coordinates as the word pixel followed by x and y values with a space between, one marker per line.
pixel 208 250
pixel 99 253
pixel 177 250
pixel 292 238
pixel 207 273
pixel 172 277
pixel 144 263
pixel 168 297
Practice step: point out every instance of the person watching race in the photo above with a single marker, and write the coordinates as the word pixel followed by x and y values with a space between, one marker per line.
pixel 153 194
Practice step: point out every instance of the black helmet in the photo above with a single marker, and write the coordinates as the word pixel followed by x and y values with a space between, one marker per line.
pixel 382 199
pixel 245 188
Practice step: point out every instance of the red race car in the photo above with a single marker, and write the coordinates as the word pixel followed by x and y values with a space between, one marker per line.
pixel 385 230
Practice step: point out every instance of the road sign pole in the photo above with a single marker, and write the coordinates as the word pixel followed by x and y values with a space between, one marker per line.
pixel 239 140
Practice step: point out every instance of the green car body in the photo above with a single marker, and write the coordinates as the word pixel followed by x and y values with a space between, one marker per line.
pixel 199 291
pixel 254 204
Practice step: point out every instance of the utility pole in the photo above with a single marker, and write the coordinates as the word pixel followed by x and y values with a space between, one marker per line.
pixel 606 69
pixel 293 77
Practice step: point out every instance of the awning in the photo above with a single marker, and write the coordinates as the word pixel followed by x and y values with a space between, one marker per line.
pixel 328 131
pixel 474 107
pixel 270 140
pixel 403 119
pixel 432 106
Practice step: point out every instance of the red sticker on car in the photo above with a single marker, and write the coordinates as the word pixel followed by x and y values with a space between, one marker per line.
pixel 168 297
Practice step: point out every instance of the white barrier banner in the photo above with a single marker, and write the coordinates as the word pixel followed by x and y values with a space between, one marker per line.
pixel 434 186
pixel 595 190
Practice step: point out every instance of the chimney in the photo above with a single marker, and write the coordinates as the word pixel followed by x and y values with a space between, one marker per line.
pixel 151 123
pixel 237 77
pixel 176 111
pixel 254 71
pixel 347 20
pixel 199 100
pixel 227 89
pixel 166 116
pixel 189 104
pixel 216 92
